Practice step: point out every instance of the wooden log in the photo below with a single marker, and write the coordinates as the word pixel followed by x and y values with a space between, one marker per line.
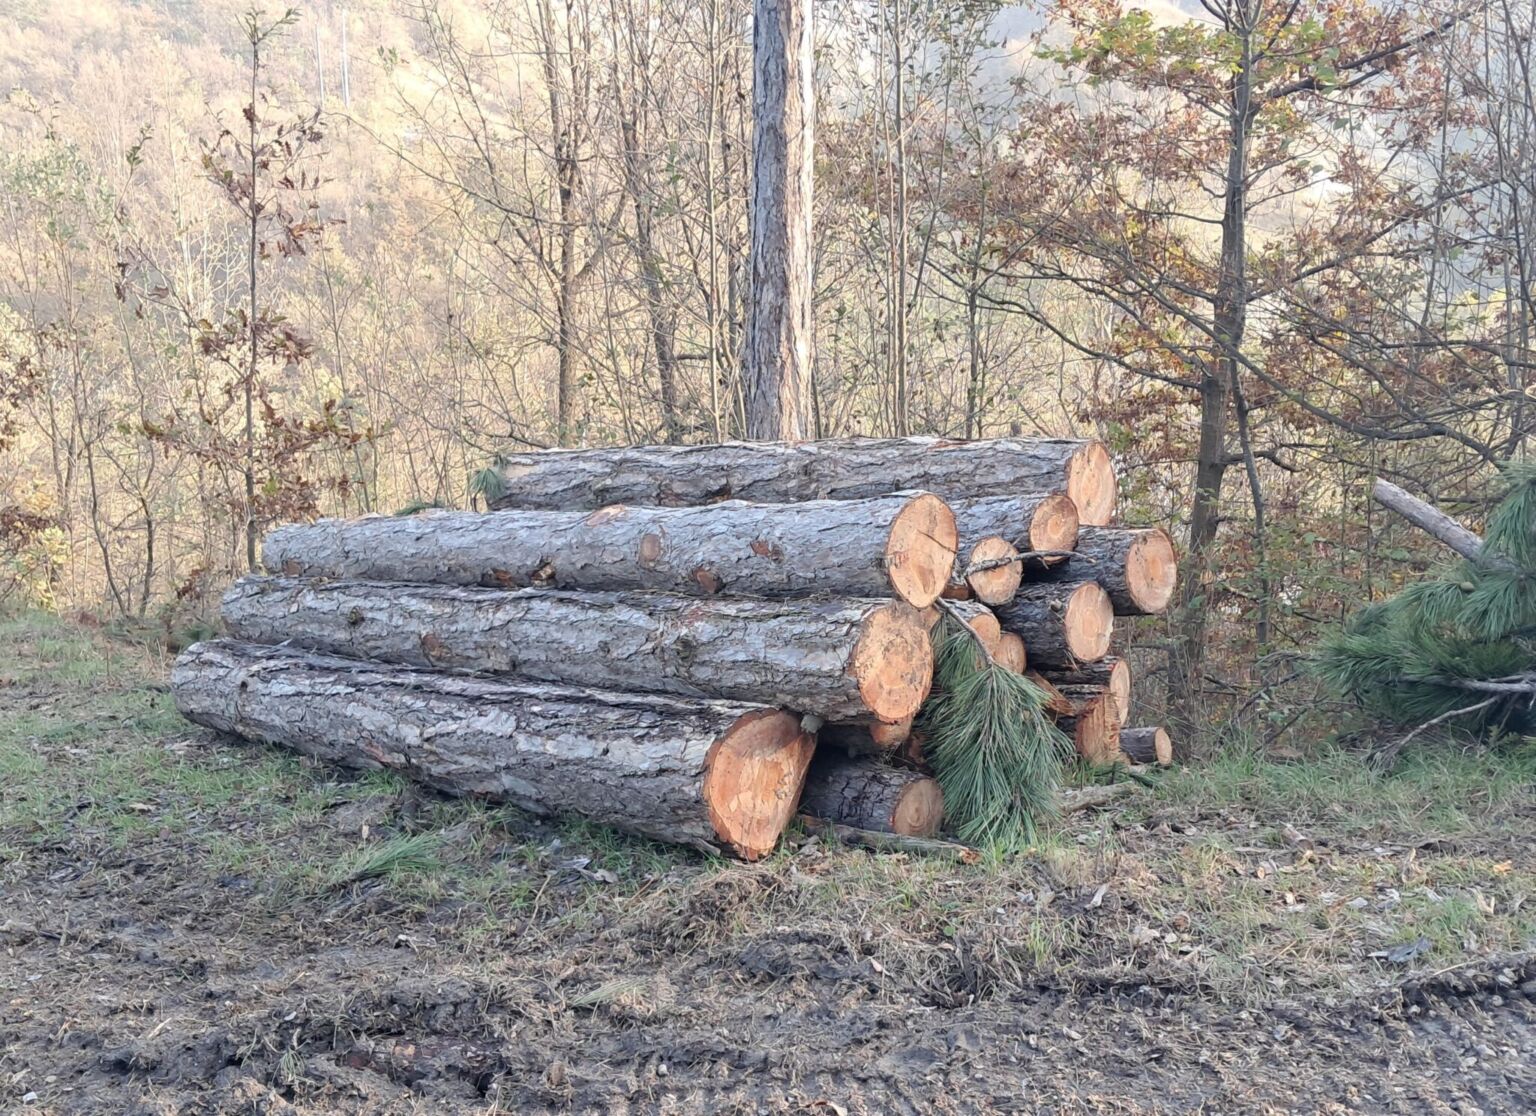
pixel 869 795
pixel 1147 745
pixel 890 842
pixel 836 658
pixel 1112 674
pixel 995 530
pixel 982 621
pixel 1063 625
pixel 1136 566
pixel 1011 652
pixel 1094 724
pixel 1056 703
pixel 710 774
pixel 787 472
pixel 868 738
pixel 902 544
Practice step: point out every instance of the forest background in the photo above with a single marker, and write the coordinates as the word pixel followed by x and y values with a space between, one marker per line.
pixel 257 267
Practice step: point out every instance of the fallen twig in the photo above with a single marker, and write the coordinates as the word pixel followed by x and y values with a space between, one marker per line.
pixel 891 842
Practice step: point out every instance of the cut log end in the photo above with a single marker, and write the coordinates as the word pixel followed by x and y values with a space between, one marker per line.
pixel 1094 727
pixel 1147 745
pixel 1151 570
pixel 893 662
pixel 755 774
pixel 1089 622
pixel 1000 582
pixel 920 550
pixel 1011 653
pixel 919 809
pixel 1120 685
pixel 1091 485
pixel 1053 527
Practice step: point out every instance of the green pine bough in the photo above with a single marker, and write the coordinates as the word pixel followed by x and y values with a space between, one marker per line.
pixel 1459 648
pixel 998 758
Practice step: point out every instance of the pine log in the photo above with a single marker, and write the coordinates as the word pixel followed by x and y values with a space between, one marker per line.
pixel 710 774
pixel 997 529
pixel 789 472
pixel 1011 653
pixel 836 658
pixel 1136 566
pixel 1062 625
pixel 902 544
pixel 1056 703
pixel 1147 745
pixel 1112 674
pixel 869 795
pixel 1093 725
pixel 868 738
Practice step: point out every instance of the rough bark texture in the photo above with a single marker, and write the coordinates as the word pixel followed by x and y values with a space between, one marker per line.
pixel 868 795
pixel 786 472
pixel 780 333
pixel 1147 745
pixel 902 544
pixel 1045 521
pixel 1062 625
pixel 837 658
pixel 1136 566
pixel 1112 674
pixel 702 773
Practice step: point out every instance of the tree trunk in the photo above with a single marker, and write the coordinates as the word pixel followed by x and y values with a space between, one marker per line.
pixel 702 773
pixel 837 469
pixel 1135 565
pixel 868 795
pixel 1093 724
pixel 1062 625
pixel 996 529
pixel 838 659
pixel 1147 745
pixel 902 545
pixel 1428 518
pixel 780 333
pixel 1112 674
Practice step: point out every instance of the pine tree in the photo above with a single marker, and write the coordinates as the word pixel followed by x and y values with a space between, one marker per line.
pixel 1458 649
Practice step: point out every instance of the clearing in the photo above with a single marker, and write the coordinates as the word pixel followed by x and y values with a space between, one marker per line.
pixel 189 925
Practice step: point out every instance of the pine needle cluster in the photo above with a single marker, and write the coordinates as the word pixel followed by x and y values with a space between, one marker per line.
pixel 997 756
pixel 1463 638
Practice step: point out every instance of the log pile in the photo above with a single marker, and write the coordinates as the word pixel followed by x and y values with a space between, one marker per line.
pixel 691 643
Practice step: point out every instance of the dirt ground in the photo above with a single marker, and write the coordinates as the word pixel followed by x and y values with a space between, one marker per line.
pixel 189 925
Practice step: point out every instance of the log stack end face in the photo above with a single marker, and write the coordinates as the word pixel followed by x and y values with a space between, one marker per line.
pixel 1089 620
pixel 1091 484
pixel 920 810
pixel 1152 570
pixel 893 662
pixel 1054 525
pixel 999 583
pixel 920 550
pixel 755 773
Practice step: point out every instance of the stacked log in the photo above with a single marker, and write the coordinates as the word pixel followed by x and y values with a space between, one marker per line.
pixel 659 638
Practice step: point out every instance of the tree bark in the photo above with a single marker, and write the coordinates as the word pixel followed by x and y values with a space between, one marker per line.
pixel 1135 565
pixel 1428 518
pixel 780 332
pixel 839 659
pixel 1062 625
pixel 902 545
pixel 1147 745
pixel 837 469
pixel 1112 674
pixel 868 795
pixel 995 529
pixel 714 775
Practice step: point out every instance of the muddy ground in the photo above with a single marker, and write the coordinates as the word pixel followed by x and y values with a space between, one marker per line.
pixel 193 926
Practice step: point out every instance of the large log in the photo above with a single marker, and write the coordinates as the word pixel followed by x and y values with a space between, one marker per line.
pixel 711 774
pixel 1112 674
pixel 1147 745
pixel 1063 625
pixel 1136 566
pixel 869 795
pixel 995 530
pixel 837 658
pixel 786 472
pixel 902 544
pixel 1094 723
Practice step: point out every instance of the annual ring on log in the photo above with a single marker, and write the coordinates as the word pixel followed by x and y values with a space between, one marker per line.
pixel 1091 484
pixel 920 551
pixel 1151 571
pixel 893 662
pixel 1000 582
pixel 1090 622
pixel 920 809
pixel 1055 522
pixel 753 777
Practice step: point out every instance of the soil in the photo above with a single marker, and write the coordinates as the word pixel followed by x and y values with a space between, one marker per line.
pixel 142 979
